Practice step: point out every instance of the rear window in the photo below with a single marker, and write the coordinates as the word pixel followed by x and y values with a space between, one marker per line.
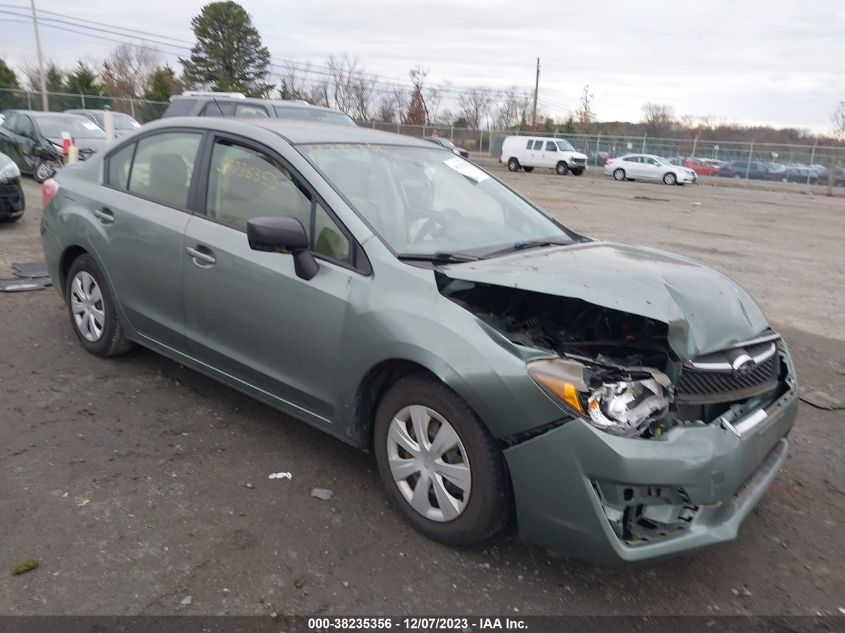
pixel 180 107
pixel 313 114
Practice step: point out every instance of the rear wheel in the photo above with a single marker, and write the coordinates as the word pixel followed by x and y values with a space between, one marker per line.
pixel 562 168
pixel 619 174
pixel 92 309
pixel 440 465
pixel 513 164
pixel 670 179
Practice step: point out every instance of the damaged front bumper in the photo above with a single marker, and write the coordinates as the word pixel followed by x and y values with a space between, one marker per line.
pixel 613 500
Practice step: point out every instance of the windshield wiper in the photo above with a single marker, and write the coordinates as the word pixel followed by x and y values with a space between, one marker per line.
pixel 521 246
pixel 437 258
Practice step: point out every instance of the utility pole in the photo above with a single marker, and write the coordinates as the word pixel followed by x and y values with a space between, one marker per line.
pixel 44 104
pixel 536 89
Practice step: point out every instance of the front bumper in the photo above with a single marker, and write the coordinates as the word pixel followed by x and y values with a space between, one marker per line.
pixel 12 201
pixel 557 477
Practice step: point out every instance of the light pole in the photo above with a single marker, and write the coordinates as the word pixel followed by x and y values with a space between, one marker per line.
pixel 43 77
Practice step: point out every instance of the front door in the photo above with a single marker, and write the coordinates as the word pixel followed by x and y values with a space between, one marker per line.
pixel 247 312
pixel 551 155
pixel 141 219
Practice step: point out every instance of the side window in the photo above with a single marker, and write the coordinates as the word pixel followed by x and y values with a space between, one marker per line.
pixel 251 110
pixel 25 127
pixel 329 240
pixel 529 145
pixel 631 159
pixel 538 144
pixel 550 146
pixel 219 108
pixel 163 166
pixel 119 164
pixel 244 183
pixel 11 122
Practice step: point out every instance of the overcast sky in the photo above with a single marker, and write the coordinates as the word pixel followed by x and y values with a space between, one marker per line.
pixel 773 62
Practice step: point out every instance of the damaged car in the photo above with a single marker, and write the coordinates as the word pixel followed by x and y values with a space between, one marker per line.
pixel 622 403
pixel 34 140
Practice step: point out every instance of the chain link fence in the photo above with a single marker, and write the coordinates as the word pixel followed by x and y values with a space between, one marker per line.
pixel 139 109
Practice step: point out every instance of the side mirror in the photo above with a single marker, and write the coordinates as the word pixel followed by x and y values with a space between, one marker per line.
pixel 280 234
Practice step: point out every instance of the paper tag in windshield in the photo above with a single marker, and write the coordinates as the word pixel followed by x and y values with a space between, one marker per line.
pixel 90 126
pixel 466 169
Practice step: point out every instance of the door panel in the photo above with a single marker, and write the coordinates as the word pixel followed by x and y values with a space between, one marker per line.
pixel 250 316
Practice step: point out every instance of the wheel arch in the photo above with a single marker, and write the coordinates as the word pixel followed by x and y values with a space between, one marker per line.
pixel 66 260
pixel 375 383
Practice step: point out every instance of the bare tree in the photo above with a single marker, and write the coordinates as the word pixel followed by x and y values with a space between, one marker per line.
pixel 417 76
pixel 658 118
pixel 511 108
pixel 838 120
pixel 434 99
pixel 474 105
pixel 584 113
pixel 392 105
pixel 127 70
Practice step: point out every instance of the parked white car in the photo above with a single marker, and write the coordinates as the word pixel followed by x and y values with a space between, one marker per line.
pixel 528 152
pixel 648 167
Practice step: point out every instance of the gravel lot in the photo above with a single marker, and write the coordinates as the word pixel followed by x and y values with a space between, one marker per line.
pixel 138 483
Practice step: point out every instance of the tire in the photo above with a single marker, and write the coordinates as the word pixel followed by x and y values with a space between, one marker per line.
pixel 578 171
pixel 87 294
pixel 670 178
pixel 485 504
pixel 513 164
pixel 619 174
pixel 561 168
pixel 528 169
pixel 44 170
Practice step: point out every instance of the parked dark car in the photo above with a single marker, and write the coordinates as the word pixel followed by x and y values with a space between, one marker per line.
pixel 33 140
pixel 802 174
pixel 838 176
pixel 754 170
pixel 123 123
pixel 447 144
pixel 12 201
pixel 234 104
pixel 777 171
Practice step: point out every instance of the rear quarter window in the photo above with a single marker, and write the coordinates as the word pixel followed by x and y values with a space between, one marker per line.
pixel 119 165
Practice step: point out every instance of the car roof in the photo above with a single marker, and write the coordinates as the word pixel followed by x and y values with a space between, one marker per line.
pixel 39 113
pixel 283 103
pixel 295 131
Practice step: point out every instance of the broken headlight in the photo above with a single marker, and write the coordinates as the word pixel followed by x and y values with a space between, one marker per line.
pixel 621 404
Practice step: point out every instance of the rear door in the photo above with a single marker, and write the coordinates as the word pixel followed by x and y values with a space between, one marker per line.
pixel 247 312
pixel 141 213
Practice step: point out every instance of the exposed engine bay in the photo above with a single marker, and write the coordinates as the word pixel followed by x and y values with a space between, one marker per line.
pixel 614 369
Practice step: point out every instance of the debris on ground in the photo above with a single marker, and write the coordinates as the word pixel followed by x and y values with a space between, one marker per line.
pixel 21 285
pixel 322 493
pixel 22 568
pixel 83 503
pixel 821 400
pixel 249 485
pixel 36 270
pixel 186 601
pixel 27 277
pixel 280 476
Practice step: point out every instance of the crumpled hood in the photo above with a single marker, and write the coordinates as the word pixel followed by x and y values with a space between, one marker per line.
pixel 84 144
pixel 705 311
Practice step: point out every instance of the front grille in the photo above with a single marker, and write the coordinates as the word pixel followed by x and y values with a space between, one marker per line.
pixel 579 161
pixel 697 386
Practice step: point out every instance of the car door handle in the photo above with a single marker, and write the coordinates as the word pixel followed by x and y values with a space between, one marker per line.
pixel 201 257
pixel 104 215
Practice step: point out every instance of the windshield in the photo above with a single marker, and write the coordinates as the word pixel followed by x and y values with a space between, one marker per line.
pixel 124 122
pixel 565 146
pixel 313 114
pixel 76 126
pixel 423 202
pixel 661 160
pixel 446 142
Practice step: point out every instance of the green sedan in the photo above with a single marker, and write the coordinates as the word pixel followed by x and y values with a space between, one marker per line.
pixel 624 403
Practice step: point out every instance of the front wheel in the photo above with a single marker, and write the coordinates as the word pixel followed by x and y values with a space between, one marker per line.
pixel 91 308
pixel 440 465
pixel 578 171
pixel 562 168
pixel 45 170
pixel 619 174
pixel 670 179
pixel 513 164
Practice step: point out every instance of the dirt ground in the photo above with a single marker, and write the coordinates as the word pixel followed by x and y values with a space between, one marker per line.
pixel 139 484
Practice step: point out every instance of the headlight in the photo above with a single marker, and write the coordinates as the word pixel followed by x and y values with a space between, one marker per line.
pixel 9 171
pixel 624 406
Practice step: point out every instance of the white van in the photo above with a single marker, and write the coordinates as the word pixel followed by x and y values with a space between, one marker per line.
pixel 529 152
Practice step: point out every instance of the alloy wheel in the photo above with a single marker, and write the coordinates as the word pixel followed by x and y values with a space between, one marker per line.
pixel 45 170
pixel 429 463
pixel 86 302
